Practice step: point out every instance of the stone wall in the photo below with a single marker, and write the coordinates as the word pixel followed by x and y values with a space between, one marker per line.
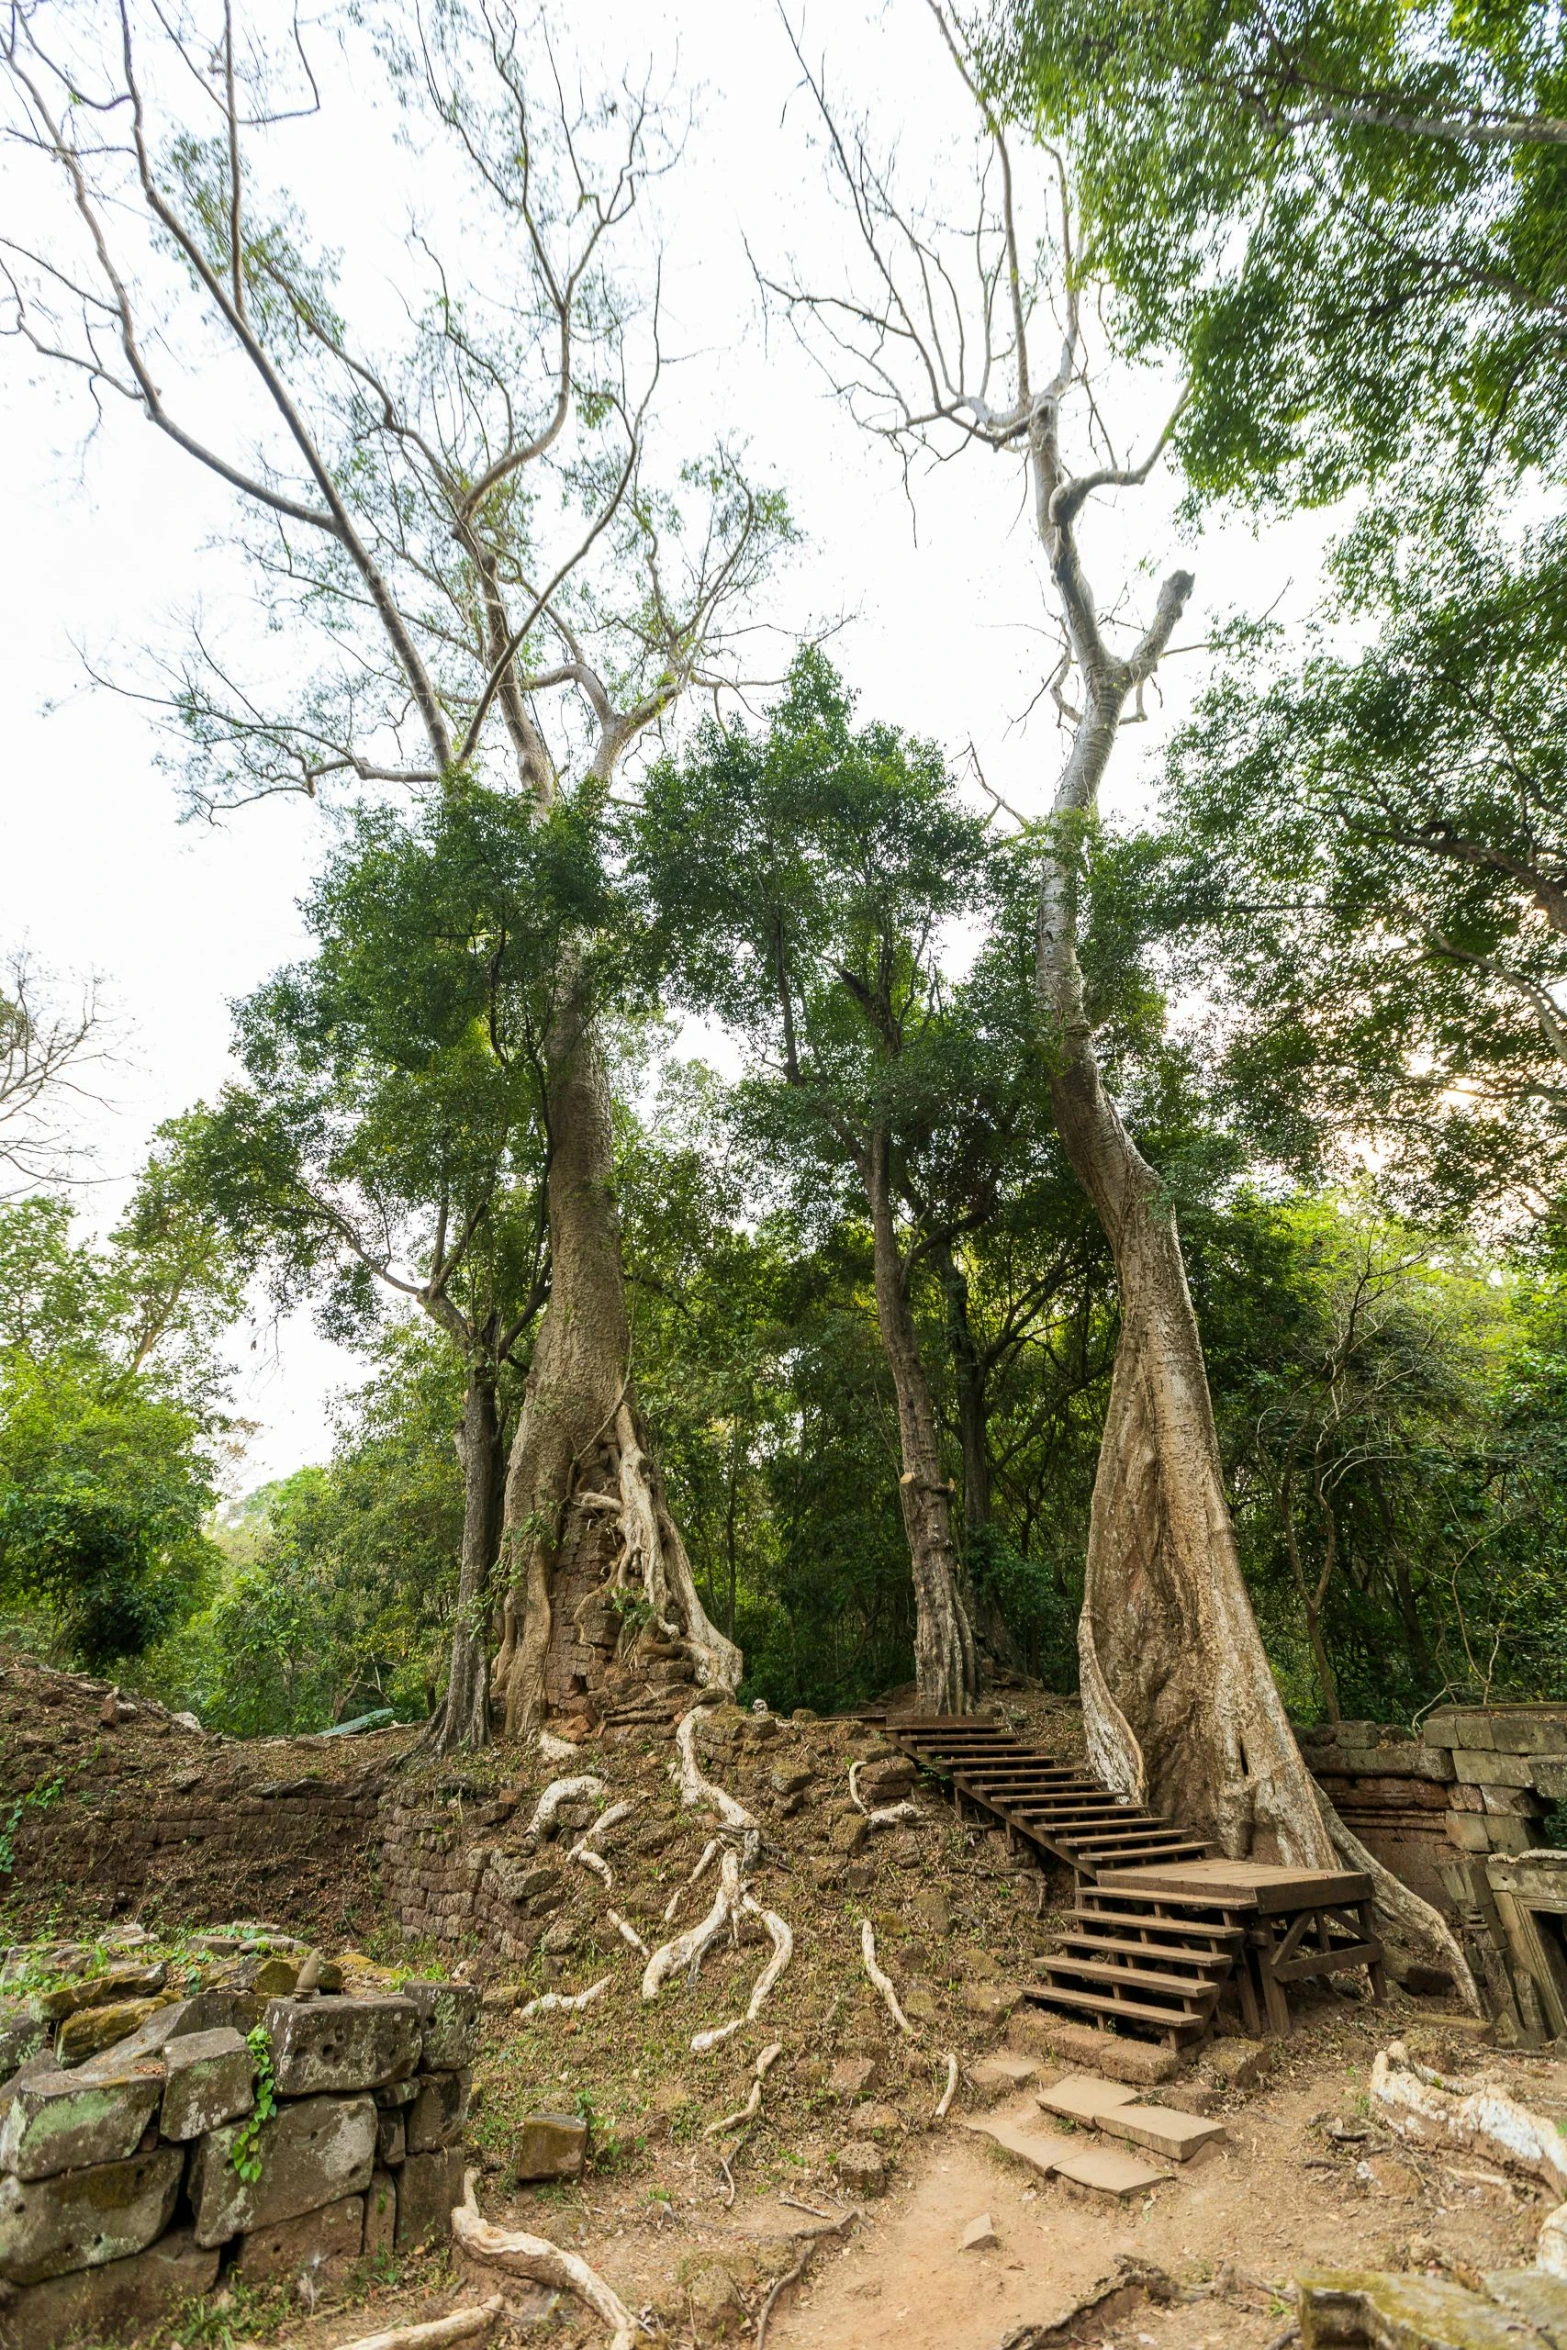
pixel 132 2173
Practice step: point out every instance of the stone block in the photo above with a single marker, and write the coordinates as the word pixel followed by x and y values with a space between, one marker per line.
pixel 1040 2149
pixel 429 2189
pixel 1034 2033
pixel 1084 2097
pixel 1363 2306
pixel 848 1834
pixel 391 2095
pixel 1514 1803
pixel 791 1778
pixel 1109 2172
pixel 1005 2072
pixel 22 2034
pixel 144 2047
pixel 1468 1830
pixel 1162 2130
pixel 852 2077
pixel 82 2218
pixel 314 2152
pixel 121 2299
pixel 437 2114
pixel 1530 1733
pixel 1510 1835
pixel 449 2024
pixel 990 2003
pixel 887 1780
pixel 1485 1769
pixel 209 2079
pixel 91 2029
pixel 1458 1725
pixel 391 2138
pixel 55 2122
pixel 1533 2294
pixel 316 2249
pixel 332 2045
pixel 876 2119
pixel 930 1912
pixel 380 2234
pixel 861 2169
pixel 1550 1777
pixel 979 2235
pixel 550 2146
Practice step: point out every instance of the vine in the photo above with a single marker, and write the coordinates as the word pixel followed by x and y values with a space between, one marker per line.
pixel 245 2153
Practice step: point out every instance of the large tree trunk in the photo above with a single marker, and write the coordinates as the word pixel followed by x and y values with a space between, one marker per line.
pixel 577 1411
pixel 945 1668
pixel 464 1715
pixel 968 1379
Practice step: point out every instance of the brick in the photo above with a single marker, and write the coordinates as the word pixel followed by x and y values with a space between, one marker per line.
pixel 1493 1770
pixel 55 2122
pixel 129 2297
pixel 436 2116
pixel 550 2146
pixel 429 2188
pixel 82 2218
pixel 316 2151
pixel 380 2218
pixel 318 2248
pixel 336 2044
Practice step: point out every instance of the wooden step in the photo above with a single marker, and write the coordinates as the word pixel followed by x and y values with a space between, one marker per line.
pixel 1108 1971
pixel 1109 1835
pixel 1219 1939
pixel 1109 1900
pixel 1135 1858
pixel 1188 2022
pixel 1131 1954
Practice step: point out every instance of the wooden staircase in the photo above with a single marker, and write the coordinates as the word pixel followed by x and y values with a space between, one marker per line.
pixel 1053 1805
pixel 1151 1963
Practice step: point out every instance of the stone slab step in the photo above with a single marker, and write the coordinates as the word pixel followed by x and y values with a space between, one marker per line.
pixel 1084 2097
pixel 1110 2172
pixel 1162 2129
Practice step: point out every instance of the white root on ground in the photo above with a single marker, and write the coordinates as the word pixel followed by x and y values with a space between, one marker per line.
pixel 687 1949
pixel 891 1815
pixel 695 1789
pixel 560 1791
pixel 544 2263
pixel 881 1982
pixel 753 2104
pixel 703 2043
pixel 627 1932
pixel 463 2325
pixel 558 2003
pixel 605 1821
pixel 701 1869
pixel 594 1861
pixel 783 1951
pixel 950 2091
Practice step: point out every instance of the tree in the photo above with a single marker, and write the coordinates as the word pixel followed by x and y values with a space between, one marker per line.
pixel 44 1047
pixel 111 1416
pixel 1349 228
pixel 467 526
pixel 1180 1705
pixel 389 1144
pixel 805 878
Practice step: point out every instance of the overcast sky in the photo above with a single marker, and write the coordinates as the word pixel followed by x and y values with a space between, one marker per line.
pixel 105 546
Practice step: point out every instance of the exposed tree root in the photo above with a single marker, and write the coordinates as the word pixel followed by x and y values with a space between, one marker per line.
pixel 783 1951
pixel 890 1815
pixel 753 2104
pixel 710 1854
pixel 654 1556
pixel 687 1949
pixel 881 1982
pixel 627 1932
pixel 949 2092
pixel 694 1788
pixel 558 1791
pixel 791 2275
pixel 543 2263
pixel 1397 1902
pixel 559 2003
pixel 463 2325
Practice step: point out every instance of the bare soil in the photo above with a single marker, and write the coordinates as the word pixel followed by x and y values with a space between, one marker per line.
pixel 694 2231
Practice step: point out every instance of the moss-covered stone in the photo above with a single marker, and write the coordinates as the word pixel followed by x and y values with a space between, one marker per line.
pixel 82 2218
pixel 1377 2312
pixel 56 2121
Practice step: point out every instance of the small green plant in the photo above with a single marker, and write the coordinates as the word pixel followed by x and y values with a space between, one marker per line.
pixel 245 2153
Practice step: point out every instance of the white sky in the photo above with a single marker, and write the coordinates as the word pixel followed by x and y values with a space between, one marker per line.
pixel 104 548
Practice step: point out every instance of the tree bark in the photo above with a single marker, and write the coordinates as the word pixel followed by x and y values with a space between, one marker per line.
pixel 945 1667
pixel 968 1379
pixel 464 1716
pixel 577 1401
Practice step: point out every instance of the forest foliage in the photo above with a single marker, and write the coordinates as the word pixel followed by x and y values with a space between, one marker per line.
pixel 1325 971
